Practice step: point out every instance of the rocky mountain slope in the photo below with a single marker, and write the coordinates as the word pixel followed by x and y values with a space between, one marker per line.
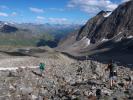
pixel 106 24
pixel 63 78
pixel 106 27
pixel 106 35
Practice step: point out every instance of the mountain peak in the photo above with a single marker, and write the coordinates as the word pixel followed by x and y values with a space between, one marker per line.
pixel 7 28
pixel 107 25
pixel 101 12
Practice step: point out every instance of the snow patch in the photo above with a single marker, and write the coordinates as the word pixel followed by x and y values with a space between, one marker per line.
pixel 83 38
pixel 107 14
pixel 15 68
pixel 84 42
pixel 129 37
pixel 88 41
pixel 104 40
pixel 5 23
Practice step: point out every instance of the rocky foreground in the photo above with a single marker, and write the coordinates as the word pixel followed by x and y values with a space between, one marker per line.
pixel 68 80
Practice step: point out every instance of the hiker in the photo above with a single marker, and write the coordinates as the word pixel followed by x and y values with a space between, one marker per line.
pixel 42 67
pixel 79 70
pixel 113 73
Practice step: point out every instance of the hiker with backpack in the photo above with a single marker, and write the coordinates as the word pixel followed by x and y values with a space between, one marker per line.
pixel 112 67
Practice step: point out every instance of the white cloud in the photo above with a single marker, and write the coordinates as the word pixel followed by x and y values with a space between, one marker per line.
pixel 40 18
pixel 92 6
pixel 36 10
pixel 58 20
pixel 125 0
pixel 3 14
pixel 14 14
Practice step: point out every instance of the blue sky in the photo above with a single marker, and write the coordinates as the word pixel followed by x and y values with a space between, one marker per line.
pixel 53 11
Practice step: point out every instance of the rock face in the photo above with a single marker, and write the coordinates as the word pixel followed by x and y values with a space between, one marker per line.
pixel 92 26
pixel 103 26
pixel 108 35
pixel 106 25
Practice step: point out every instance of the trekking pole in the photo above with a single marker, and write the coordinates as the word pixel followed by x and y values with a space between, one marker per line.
pixel 86 60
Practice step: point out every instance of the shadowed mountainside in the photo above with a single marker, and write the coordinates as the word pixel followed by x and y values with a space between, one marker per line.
pixel 108 35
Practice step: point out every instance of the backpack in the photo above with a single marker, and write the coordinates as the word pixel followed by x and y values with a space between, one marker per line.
pixel 114 67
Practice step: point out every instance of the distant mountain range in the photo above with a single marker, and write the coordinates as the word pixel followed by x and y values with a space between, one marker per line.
pixel 10 32
pixel 58 30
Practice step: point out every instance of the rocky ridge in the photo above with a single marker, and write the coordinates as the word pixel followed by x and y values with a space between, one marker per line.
pixel 105 25
pixel 102 26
